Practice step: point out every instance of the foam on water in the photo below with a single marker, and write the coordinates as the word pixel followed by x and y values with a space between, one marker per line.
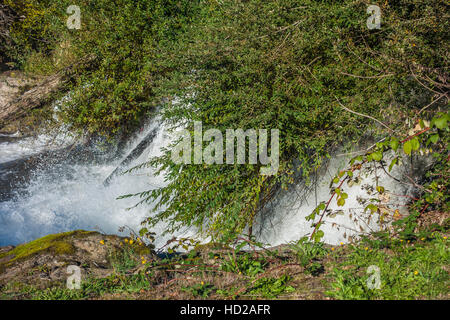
pixel 283 220
pixel 79 200
pixel 13 150
pixel 28 146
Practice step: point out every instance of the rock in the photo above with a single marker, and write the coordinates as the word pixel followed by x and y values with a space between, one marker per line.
pixel 19 94
pixel 6 249
pixel 46 259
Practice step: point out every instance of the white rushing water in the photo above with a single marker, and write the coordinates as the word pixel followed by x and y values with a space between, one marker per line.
pixel 79 200
pixel 283 220
pixel 23 147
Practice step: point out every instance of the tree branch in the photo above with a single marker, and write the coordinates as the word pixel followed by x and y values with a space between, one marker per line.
pixel 364 115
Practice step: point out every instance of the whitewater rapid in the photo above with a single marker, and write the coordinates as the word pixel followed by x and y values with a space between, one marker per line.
pixel 79 200
pixel 283 219
pixel 75 197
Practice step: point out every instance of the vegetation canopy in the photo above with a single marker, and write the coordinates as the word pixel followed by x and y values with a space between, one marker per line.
pixel 312 69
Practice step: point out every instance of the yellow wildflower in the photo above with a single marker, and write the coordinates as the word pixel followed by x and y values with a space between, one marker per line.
pixel 131 241
pixel 102 242
pixel 416 273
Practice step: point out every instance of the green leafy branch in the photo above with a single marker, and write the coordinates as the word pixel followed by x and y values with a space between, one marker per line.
pixel 425 139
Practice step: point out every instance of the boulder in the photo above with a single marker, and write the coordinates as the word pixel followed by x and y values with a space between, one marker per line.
pixel 46 259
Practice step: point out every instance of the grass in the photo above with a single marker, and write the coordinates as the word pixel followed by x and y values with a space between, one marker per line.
pixel 202 290
pixel 270 288
pixel 92 288
pixel 408 270
pixel 303 270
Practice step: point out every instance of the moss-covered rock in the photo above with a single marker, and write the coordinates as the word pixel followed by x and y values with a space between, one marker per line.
pixel 47 258
pixel 55 244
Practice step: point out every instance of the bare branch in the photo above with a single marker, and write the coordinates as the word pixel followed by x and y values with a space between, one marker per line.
pixel 432 102
pixel 364 115
pixel 368 77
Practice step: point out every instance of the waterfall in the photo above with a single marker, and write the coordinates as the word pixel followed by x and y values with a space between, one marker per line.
pixel 283 219
pixel 71 195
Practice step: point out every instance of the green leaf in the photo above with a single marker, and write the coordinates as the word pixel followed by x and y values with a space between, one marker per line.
pixel 434 138
pixel 143 232
pixel 373 208
pixel 407 147
pixel 340 202
pixel 422 124
pixel 393 163
pixel 377 156
pixel 441 122
pixel 415 144
pixel 311 216
pixel 318 235
pixel 380 189
pixel 357 158
pixel 394 143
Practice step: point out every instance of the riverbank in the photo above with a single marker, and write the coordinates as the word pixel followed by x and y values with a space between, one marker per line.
pixel 113 267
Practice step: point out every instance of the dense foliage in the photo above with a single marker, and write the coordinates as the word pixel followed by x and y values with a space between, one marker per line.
pixel 111 58
pixel 311 69
pixel 299 68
